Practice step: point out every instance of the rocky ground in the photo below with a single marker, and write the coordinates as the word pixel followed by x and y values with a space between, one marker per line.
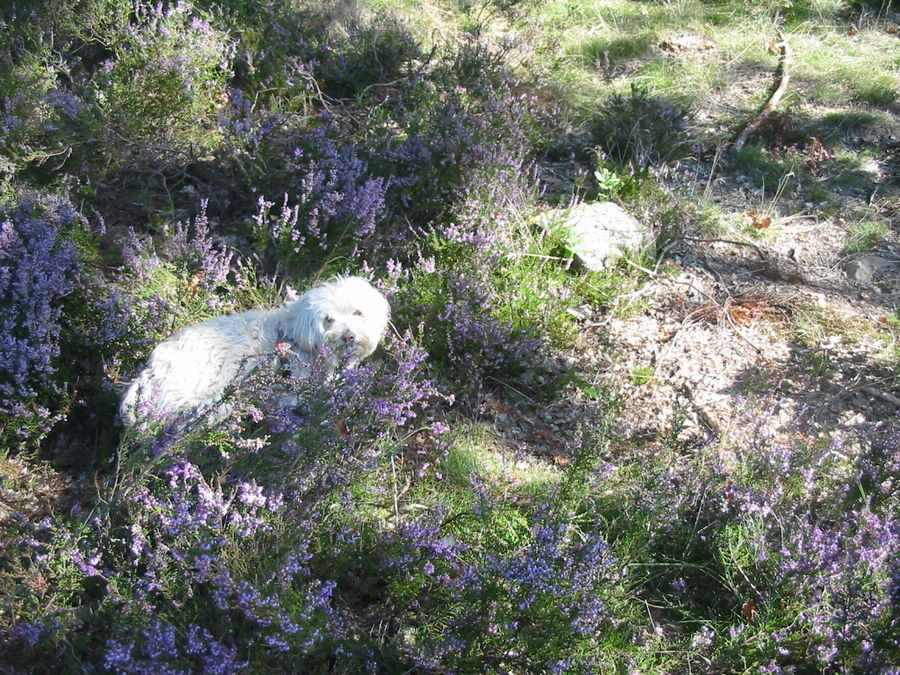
pixel 736 322
pixel 772 317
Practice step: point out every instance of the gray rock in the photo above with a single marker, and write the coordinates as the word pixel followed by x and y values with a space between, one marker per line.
pixel 598 234
pixel 863 269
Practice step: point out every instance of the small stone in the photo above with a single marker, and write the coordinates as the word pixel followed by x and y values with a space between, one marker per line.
pixel 863 269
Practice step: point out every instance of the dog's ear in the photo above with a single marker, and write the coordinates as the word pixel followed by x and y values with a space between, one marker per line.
pixel 382 311
pixel 305 323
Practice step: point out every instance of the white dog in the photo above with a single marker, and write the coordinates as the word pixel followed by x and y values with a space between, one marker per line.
pixel 192 369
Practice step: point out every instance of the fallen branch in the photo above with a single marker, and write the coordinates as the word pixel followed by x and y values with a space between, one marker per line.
pixel 786 54
pixel 890 398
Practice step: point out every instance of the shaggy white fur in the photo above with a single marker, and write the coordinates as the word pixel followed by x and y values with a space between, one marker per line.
pixel 191 369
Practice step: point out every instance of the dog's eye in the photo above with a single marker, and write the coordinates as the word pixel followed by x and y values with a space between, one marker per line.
pixel 358 312
pixel 327 320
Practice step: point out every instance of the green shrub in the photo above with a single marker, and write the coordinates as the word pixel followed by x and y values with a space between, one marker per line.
pixel 642 130
pixel 160 91
pixel 865 236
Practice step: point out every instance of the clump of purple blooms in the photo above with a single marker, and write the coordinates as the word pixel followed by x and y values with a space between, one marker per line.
pixel 806 537
pixel 167 281
pixel 39 268
pixel 461 167
pixel 329 200
pixel 478 345
pixel 189 247
pixel 555 589
pixel 458 314
pixel 522 600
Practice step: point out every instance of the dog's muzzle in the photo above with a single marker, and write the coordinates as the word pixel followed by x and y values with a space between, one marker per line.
pixel 355 345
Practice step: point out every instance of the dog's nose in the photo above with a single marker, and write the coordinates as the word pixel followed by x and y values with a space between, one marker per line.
pixel 348 337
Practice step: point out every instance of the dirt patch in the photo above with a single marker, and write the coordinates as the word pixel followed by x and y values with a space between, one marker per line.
pixel 777 321
pixel 687 44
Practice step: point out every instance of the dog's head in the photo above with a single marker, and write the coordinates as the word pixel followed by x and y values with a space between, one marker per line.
pixel 347 312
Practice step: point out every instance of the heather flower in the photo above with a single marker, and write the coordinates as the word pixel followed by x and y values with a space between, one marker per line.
pixel 118 656
pixel 87 565
pixel 189 248
pixel 193 249
pixel 160 649
pixel 114 307
pixel 183 60
pixel 66 102
pixel 556 586
pixel 27 633
pixel 703 638
pixel 39 268
pixel 844 573
pixel 460 169
pixel 330 198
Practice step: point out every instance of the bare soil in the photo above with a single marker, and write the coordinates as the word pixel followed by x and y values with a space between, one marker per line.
pixel 776 321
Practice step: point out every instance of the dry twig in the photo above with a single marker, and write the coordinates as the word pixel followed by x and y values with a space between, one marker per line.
pixel 783 66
